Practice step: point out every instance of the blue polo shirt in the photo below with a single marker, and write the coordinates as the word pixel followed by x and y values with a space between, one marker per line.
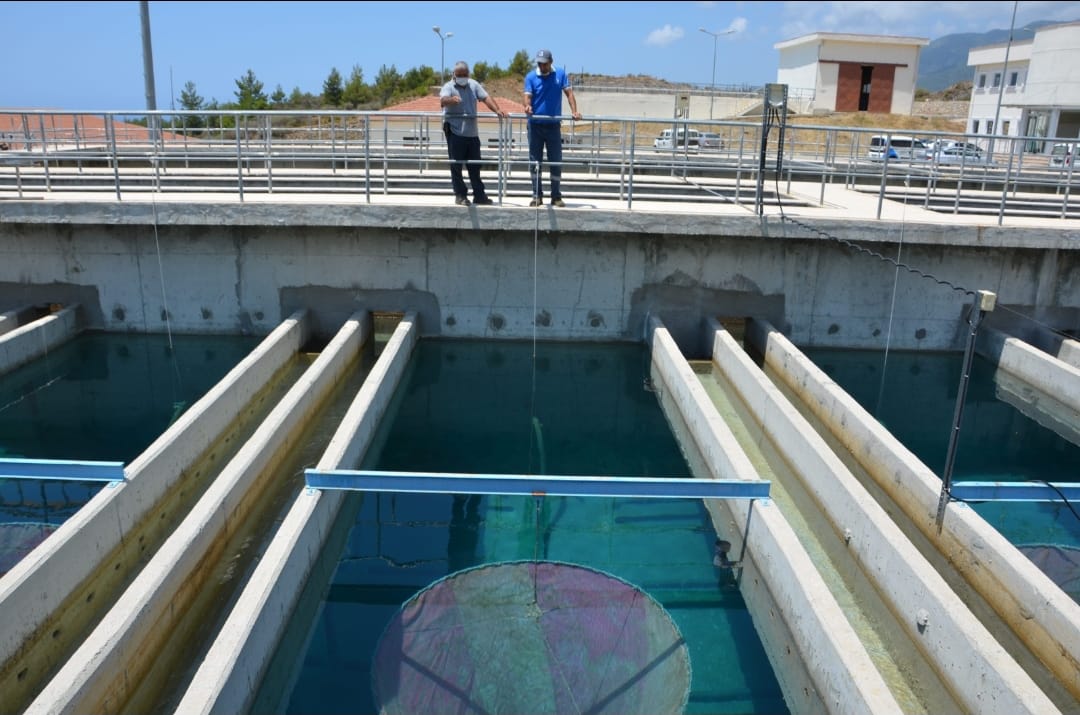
pixel 547 93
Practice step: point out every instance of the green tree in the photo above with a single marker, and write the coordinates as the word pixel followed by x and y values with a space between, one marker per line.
pixel 520 65
pixel 387 82
pixel 356 92
pixel 190 101
pixel 481 71
pixel 332 89
pixel 277 99
pixel 249 92
pixel 416 81
pixel 299 99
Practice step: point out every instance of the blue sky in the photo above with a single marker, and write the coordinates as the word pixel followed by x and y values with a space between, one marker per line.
pixel 88 55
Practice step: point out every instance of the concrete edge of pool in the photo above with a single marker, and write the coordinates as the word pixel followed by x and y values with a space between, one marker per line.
pixel 976 669
pixel 1045 618
pixel 113 660
pixel 94 551
pixel 843 678
pixel 230 674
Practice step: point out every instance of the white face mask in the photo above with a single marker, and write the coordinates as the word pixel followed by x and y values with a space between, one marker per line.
pixel 461 81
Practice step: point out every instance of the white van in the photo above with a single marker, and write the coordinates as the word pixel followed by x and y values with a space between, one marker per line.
pixel 1061 155
pixel 686 137
pixel 903 147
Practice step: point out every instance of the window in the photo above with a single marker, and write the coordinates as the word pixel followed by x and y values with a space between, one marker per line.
pixel 997 80
pixel 989 127
pixel 1005 127
pixel 975 126
pixel 982 81
pixel 1014 78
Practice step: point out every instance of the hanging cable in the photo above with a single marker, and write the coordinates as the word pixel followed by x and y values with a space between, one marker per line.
pixel 534 423
pixel 892 304
pixel 178 405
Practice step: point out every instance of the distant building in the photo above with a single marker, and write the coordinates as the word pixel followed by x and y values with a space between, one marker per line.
pixel 1034 93
pixel 851 73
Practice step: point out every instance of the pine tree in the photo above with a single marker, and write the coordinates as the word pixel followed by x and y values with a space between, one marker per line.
pixel 249 92
pixel 332 89
pixel 190 101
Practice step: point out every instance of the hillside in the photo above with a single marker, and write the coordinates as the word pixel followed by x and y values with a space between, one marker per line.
pixel 943 62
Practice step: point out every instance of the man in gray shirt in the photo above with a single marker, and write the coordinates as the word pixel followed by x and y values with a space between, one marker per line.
pixel 458 99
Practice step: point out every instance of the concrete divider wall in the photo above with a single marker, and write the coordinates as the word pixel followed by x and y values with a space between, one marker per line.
pixel 231 673
pixel 1044 372
pixel 13 319
pixel 976 668
pixel 841 672
pixel 116 657
pixel 1041 615
pixel 30 341
pixel 49 576
pixel 1069 352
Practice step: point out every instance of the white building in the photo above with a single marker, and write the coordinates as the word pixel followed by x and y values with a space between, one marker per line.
pixel 1028 88
pixel 852 73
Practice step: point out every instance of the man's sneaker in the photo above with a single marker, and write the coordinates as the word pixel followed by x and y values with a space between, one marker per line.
pixel 558 202
pixel 483 201
pixel 461 201
pixel 535 202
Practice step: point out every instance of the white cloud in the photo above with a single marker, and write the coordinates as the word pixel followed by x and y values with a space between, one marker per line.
pixel 738 24
pixel 664 36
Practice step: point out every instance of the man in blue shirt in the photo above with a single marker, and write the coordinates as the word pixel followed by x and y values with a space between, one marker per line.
pixel 544 88
pixel 458 98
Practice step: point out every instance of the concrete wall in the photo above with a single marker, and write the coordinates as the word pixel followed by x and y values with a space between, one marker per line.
pixel 93 553
pixel 1042 616
pixel 239 658
pixel 242 268
pixel 112 663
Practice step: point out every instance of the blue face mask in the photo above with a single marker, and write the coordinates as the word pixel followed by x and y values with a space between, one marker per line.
pixel 461 81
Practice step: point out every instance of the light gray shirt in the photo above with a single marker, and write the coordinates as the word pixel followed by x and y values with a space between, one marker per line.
pixel 462 117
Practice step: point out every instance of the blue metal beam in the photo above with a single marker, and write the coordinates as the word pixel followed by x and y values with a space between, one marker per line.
pixel 1016 491
pixel 534 485
pixel 55 469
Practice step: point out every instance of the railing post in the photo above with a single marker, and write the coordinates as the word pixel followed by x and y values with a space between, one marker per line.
pixel 239 158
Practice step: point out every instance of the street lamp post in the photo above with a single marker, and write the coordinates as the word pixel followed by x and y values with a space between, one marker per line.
pixel 442 51
pixel 1001 87
pixel 712 91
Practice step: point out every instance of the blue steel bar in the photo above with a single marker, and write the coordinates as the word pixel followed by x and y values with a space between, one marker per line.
pixel 1016 491
pixel 533 485
pixel 69 470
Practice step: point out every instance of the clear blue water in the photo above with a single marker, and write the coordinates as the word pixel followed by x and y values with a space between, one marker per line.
pixel 916 401
pixel 100 397
pixel 468 406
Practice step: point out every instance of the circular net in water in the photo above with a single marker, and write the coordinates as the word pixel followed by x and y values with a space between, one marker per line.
pixel 531 637
pixel 17 539
pixel 1058 561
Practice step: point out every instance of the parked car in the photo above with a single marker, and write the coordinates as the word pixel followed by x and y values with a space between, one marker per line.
pixel 898 147
pixel 960 153
pixel 683 138
pixel 939 144
pixel 710 140
pixel 1061 155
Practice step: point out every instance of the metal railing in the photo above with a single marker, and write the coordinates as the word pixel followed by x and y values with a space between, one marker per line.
pixel 367 154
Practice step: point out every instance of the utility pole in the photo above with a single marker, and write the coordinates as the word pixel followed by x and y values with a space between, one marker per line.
pixel 148 69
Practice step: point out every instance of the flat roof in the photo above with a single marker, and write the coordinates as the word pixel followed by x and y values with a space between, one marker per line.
pixel 851 37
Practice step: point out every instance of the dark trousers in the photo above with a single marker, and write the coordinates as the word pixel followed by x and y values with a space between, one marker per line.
pixel 545 135
pixel 465 151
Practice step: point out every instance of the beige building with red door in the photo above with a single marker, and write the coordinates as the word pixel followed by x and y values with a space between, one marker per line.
pixel 851 73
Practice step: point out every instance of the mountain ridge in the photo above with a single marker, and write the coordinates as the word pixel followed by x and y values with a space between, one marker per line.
pixel 943 62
